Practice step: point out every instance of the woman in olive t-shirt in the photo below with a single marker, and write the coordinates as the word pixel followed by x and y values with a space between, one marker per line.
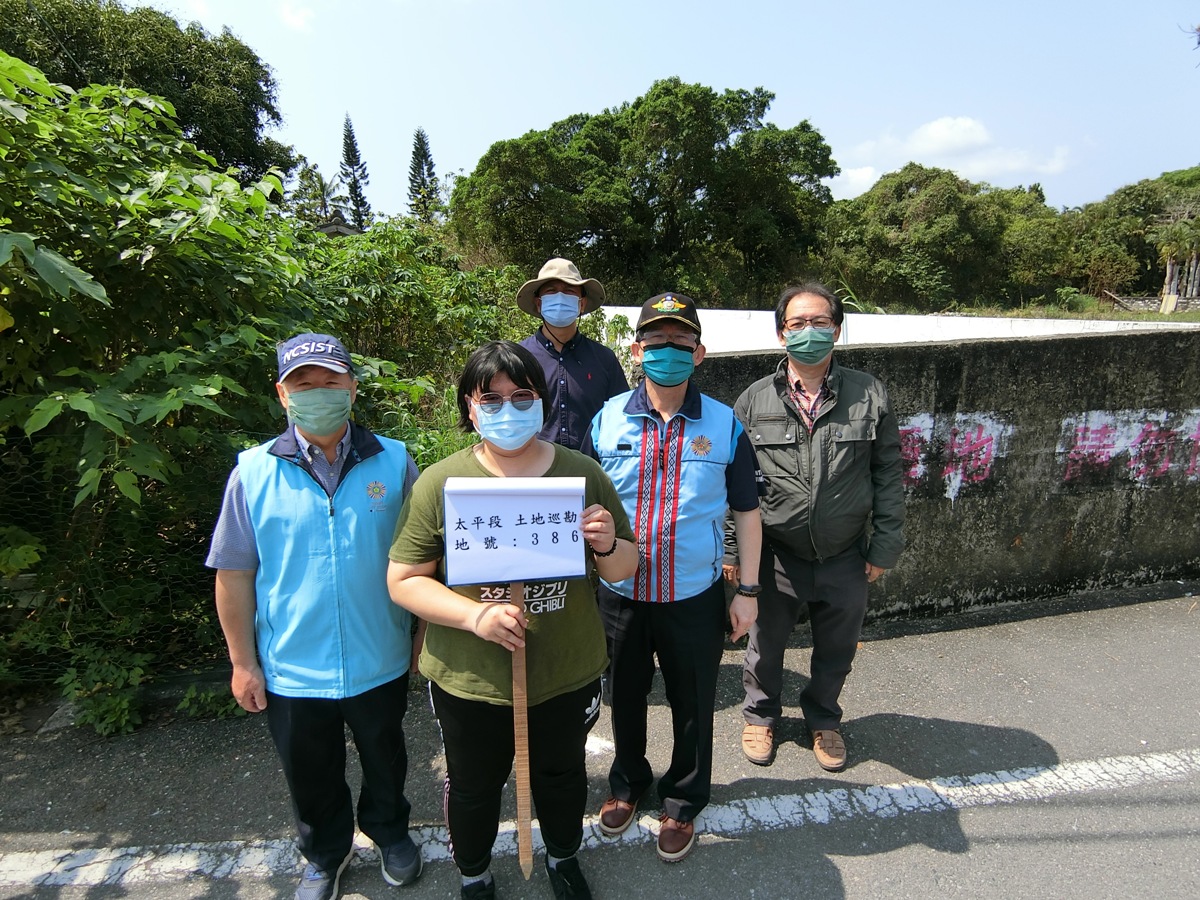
pixel 469 640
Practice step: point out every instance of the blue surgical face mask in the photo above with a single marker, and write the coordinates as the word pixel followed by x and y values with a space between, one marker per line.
pixel 667 364
pixel 560 310
pixel 509 428
pixel 810 345
pixel 319 411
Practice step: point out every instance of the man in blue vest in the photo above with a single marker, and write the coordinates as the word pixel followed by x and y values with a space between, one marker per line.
pixel 300 550
pixel 679 460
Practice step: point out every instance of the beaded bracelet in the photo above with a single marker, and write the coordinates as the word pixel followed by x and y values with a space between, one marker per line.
pixel 609 552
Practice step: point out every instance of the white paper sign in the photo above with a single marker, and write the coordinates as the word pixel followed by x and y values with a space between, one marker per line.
pixel 513 529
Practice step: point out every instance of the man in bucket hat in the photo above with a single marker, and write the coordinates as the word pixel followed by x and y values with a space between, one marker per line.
pixel 580 373
pixel 300 550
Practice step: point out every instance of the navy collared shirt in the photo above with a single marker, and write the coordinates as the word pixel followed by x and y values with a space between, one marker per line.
pixel 580 378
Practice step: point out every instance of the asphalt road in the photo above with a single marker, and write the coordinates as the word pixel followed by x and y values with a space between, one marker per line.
pixel 1045 751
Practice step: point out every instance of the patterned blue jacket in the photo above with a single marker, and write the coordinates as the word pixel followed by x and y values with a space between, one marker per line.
pixel 672 480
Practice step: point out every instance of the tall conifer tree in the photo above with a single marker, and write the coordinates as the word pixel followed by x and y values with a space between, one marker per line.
pixel 354 176
pixel 422 181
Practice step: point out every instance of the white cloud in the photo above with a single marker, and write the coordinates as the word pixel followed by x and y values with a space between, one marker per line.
pixel 853 182
pixel 958 143
pixel 994 162
pixel 948 136
pixel 296 16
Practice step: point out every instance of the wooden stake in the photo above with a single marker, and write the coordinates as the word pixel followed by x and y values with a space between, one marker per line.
pixel 521 744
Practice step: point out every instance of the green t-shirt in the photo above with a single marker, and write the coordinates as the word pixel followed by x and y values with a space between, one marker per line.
pixel 564 642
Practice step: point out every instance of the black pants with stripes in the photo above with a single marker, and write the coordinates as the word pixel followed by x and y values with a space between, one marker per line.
pixel 479 743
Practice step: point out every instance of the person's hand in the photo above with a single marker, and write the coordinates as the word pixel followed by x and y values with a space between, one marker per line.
pixel 598 527
pixel 733 574
pixel 873 572
pixel 743 611
pixel 501 623
pixel 249 688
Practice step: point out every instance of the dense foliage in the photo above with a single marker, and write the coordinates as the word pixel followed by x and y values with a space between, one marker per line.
pixel 684 188
pixel 141 296
pixel 222 94
pixel 924 238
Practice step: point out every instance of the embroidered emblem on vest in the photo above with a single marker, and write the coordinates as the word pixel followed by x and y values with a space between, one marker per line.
pixel 701 445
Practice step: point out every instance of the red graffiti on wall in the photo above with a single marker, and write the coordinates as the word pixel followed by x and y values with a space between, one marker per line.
pixel 969 455
pixel 913 444
pixel 1094 450
pixel 1150 455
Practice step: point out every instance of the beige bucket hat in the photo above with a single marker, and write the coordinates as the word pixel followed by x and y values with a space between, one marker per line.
pixel 561 270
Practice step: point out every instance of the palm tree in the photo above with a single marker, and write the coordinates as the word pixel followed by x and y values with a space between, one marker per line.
pixel 316 197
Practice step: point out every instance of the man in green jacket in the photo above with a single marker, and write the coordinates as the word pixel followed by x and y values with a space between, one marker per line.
pixel 833 516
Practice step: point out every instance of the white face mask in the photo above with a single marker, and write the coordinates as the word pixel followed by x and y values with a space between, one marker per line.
pixel 559 310
pixel 509 428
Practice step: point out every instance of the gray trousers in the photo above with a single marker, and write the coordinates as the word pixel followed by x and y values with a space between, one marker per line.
pixel 834 591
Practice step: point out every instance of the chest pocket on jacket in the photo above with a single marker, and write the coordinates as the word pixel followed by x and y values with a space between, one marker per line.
pixel 851 445
pixel 775 444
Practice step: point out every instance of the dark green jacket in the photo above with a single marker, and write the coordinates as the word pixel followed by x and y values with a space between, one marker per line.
pixel 841 486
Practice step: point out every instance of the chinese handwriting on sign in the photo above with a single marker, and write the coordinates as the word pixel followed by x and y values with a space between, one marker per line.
pixel 537 528
pixel 513 529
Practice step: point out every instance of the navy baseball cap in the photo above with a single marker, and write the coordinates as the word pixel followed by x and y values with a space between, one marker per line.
pixel 313 350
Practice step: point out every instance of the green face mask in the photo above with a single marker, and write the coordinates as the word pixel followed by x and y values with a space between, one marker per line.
pixel 809 345
pixel 319 411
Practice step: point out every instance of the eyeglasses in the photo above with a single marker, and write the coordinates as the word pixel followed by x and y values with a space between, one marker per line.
pixel 800 322
pixel 492 403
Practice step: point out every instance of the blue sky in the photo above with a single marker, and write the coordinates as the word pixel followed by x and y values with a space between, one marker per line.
pixel 1082 97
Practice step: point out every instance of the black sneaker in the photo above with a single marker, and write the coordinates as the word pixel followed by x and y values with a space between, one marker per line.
pixel 567 880
pixel 479 890
pixel 401 862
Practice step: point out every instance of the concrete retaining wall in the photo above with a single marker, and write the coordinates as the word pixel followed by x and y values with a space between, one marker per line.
pixel 1034 467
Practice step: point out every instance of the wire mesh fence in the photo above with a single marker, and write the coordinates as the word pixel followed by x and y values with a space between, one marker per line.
pixel 110 582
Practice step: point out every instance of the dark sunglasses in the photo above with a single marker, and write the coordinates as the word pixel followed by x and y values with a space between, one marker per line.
pixel 492 403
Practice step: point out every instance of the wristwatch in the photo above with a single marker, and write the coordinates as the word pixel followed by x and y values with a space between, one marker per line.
pixel 749 590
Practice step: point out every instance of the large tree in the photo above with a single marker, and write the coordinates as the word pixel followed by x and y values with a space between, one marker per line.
pixel 1176 232
pixel 223 95
pixel 422 180
pixel 926 239
pixel 354 176
pixel 684 188
pixel 1109 242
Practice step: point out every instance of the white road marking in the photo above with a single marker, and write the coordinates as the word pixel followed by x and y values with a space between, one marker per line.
pixel 598 746
pixel 225 859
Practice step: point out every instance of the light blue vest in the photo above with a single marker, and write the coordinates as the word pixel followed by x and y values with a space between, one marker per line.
pixel 324 622
pixel 672 485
